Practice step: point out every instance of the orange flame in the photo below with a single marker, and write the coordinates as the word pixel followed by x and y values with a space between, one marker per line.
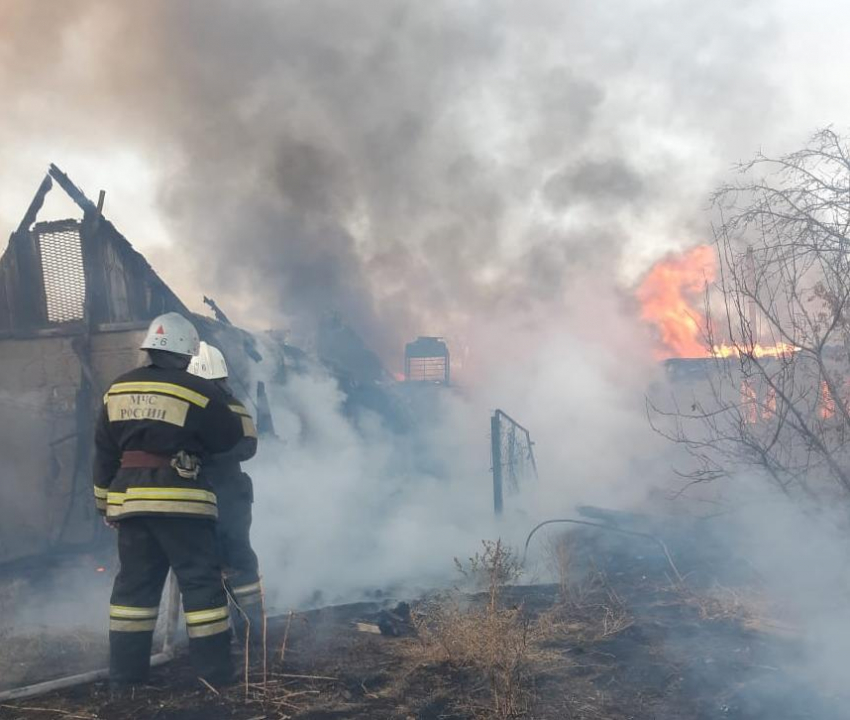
pixel 759 351
pixel 769 409
pixel 826 403
pixel 668 296
pixel 749 404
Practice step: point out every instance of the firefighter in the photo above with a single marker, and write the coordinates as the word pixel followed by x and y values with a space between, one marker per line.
pixel 157 426
pixel 235 494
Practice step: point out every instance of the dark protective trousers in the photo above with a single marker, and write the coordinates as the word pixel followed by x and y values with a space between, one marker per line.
pixel 147 547
pixel 241 568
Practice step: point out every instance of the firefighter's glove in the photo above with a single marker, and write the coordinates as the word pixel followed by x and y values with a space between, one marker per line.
pixel 187 466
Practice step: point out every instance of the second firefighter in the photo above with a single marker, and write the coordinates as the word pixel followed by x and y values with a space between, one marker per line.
pixel 234 490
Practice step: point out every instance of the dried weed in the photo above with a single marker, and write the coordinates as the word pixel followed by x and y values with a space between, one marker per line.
pixel 494 639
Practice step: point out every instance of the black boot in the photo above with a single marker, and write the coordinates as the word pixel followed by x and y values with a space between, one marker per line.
pixel 211 659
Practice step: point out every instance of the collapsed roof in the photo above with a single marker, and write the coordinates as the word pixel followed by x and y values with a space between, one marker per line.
pixel 75 275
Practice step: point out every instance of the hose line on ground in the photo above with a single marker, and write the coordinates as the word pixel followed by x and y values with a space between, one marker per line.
pixel 656 540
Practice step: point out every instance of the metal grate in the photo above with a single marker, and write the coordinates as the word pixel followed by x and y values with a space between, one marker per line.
pixel 426 359
pixel 62 265
pixel 427 369
pixel 512 455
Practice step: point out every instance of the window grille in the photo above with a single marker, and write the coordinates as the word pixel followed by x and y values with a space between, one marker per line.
pixel 62 266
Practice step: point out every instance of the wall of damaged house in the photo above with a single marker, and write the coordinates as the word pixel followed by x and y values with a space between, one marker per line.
pixel 38 405
pixel 49 394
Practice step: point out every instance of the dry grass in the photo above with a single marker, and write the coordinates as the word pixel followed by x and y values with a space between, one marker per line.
pixel 749 608
pixel 582 593
pixel 504 643
pixel 278 694
pixel 498 641
pixel 576 588
pixel 588 608
pixel 719 603
pixel 485 650
pixel 491 570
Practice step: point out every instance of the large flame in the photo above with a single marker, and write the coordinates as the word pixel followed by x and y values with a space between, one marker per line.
pixel 669 296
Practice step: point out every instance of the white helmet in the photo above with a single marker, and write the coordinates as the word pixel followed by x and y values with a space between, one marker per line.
pixel 172 333
pixel 208 363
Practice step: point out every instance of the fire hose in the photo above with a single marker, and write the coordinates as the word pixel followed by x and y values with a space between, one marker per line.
pixel 658 541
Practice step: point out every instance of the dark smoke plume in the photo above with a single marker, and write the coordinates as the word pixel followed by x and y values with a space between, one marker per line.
pixel 419 167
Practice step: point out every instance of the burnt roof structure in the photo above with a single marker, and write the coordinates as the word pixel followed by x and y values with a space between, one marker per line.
pixel 75 275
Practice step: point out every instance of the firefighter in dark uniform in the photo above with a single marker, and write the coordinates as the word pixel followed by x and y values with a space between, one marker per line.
pixel 158 425
pixel 235 494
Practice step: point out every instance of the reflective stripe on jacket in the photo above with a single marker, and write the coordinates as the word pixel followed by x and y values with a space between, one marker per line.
pixel 160 411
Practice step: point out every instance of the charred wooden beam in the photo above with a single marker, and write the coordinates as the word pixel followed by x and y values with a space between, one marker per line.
pixel 36 205
pixel 265 423
pixel 217 311
pixel 77 195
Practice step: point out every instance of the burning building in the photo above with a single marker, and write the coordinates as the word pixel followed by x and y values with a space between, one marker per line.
pixel 777 409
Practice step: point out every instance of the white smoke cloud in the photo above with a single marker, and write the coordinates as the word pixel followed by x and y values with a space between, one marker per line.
pixel 343 509
pixel 800 554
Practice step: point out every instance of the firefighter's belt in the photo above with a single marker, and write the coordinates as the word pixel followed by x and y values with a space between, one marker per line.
pixel 141 459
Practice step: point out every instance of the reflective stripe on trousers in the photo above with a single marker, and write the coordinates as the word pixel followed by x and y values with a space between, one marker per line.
pixel 248 594
pixel 202 623
pixel 126 618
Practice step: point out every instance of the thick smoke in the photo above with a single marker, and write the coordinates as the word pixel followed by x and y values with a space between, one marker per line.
pixel 344 509
pixel 798 555
pixel 422 167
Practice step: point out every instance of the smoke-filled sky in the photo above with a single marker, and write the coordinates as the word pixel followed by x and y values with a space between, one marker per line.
pixel 424 167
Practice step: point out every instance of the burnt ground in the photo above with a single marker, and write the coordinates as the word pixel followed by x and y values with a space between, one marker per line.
pixel 629 646
pixel 37 642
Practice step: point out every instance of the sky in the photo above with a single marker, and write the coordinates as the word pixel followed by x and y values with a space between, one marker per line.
pixel 425 168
